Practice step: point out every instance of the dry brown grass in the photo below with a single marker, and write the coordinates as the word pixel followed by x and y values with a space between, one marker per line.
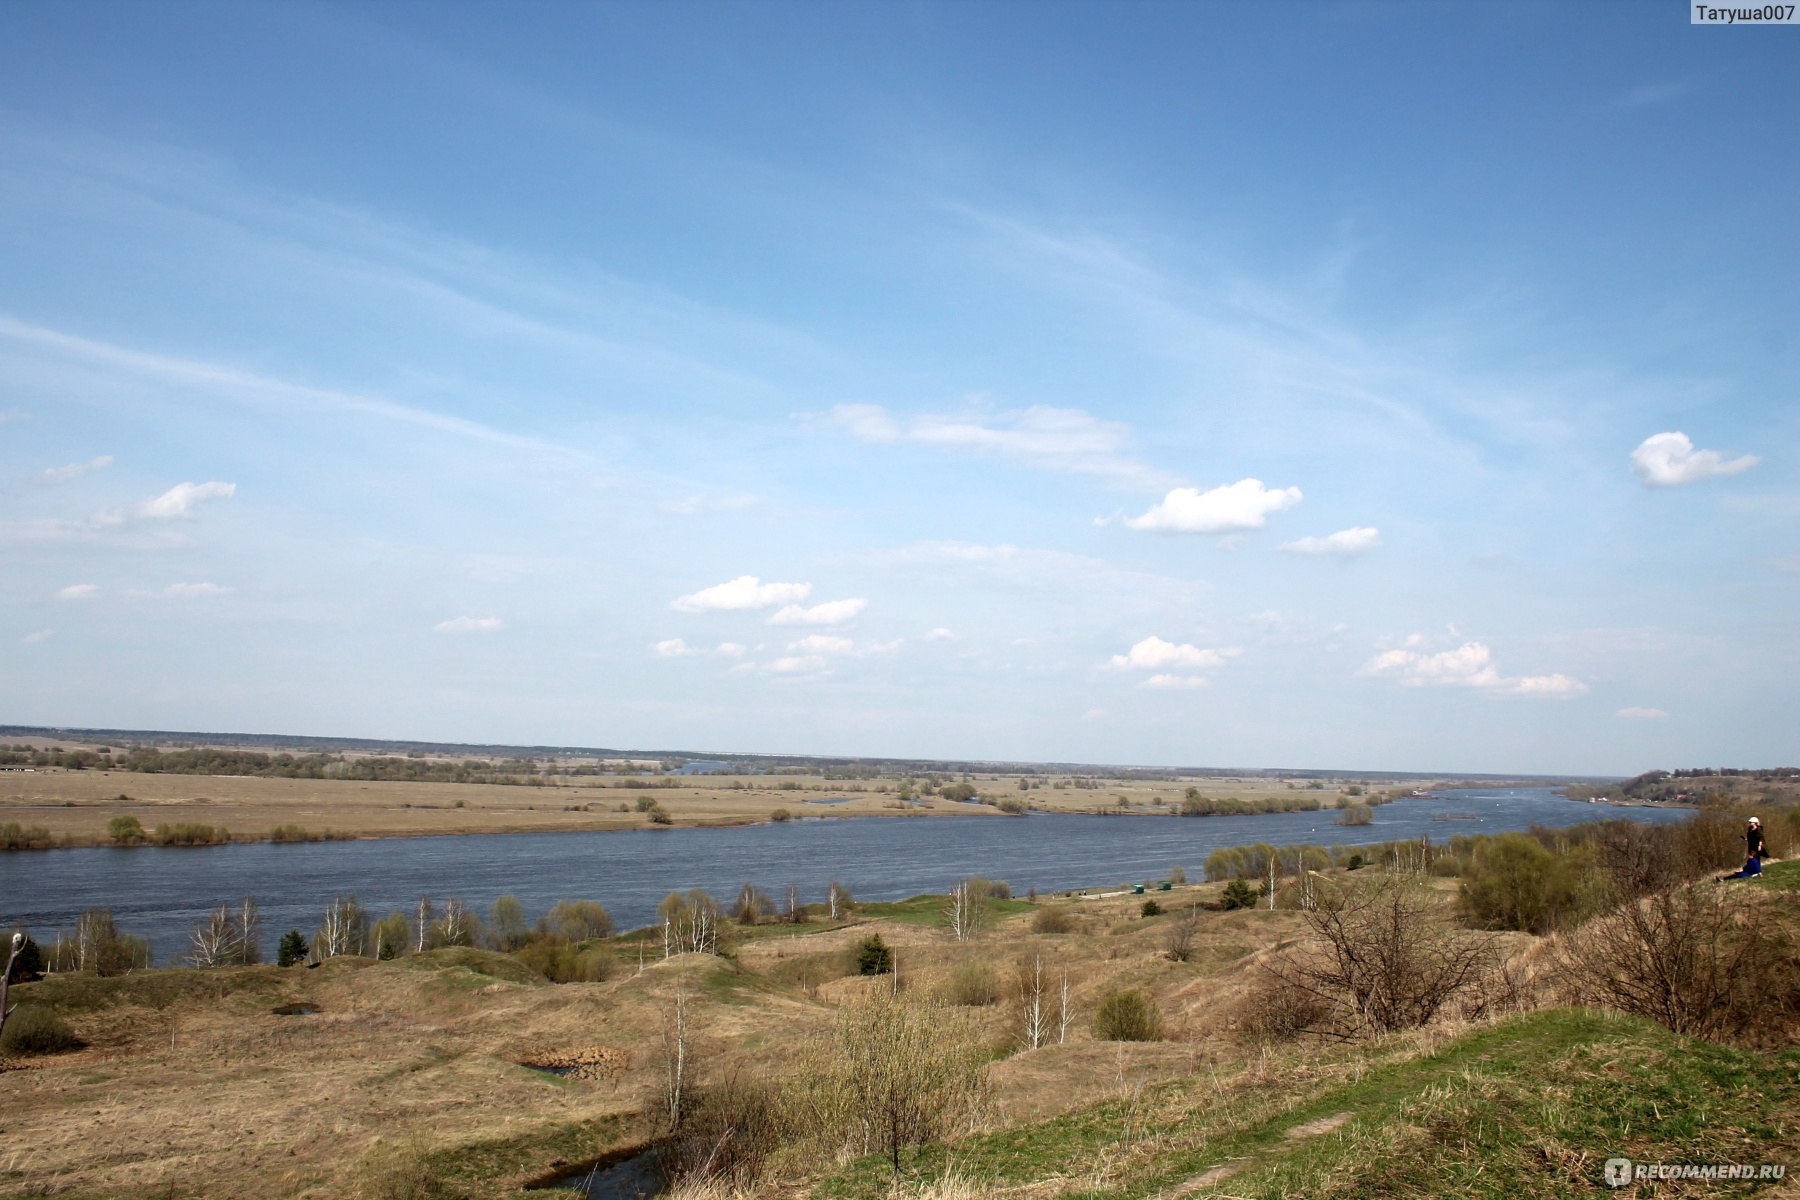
pixel 79 803
pixel 203 1090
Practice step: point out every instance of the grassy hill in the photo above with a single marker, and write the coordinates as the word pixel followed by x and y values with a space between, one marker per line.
pixel 418 1077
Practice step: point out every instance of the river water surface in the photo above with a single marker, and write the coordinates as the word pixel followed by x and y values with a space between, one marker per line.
pixel 164 893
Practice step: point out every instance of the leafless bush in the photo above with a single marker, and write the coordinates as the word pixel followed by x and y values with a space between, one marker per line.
pixel 1179 933
pixel 896 1075
pixel 972 984
pixel 1637 859
pixel 1052 919
pixel 1702 960
pixel 729 1130
pixel 1501 992
pixel 1382 960
pixel 1278 1009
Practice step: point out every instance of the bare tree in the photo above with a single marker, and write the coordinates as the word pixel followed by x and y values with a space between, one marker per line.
pixel 344 930
pixel 427 918
pixel 751 905
pixel 675 1062
pixel 1383 961
pixel 456 927
pixel 838 900
pixel 249 932
pixel 795 912
pixel 1063 1012
pixel 1179 933
pixel 215 942
pixel 6 1010
pixel 1034 1018
pixel 967 900
pixel 690 923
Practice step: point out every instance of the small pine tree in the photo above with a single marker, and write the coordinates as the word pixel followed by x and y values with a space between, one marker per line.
pixel 874 957
pixel 1239 894
pixel 292 948
pixel 1152 908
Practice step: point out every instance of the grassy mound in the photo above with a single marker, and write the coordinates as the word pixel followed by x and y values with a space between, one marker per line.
pixel 1481 1116
pixel 490 964
pixel 35 1030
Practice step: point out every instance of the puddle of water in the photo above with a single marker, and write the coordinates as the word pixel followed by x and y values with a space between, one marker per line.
pixel 294 1010
pixel 635 1174
pixel 563 1072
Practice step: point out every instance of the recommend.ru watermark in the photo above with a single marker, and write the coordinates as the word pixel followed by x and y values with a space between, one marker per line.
pixel 1744 14
pixel 1621 1172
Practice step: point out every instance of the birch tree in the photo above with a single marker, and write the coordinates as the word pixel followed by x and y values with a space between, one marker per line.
pixel 214 942
pixel 1034 1017
pixel 690 923
pixel 838 900
pixel 965 911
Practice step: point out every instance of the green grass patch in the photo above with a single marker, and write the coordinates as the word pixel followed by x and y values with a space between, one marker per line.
pixel 930 909
pixel 73 992
pixel 1533 1106
pixel 1778 877
pixel 470 969
pixel 532 1155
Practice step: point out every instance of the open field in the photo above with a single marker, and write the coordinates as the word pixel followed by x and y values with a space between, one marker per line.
pixel 192 1085
pixel 78 804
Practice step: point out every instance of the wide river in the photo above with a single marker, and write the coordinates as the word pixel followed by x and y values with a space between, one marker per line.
pixel 164 894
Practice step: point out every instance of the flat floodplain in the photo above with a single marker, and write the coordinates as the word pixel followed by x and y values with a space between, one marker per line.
pixel 78 804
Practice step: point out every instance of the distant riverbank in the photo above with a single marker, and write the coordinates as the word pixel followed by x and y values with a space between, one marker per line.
pixel 164 894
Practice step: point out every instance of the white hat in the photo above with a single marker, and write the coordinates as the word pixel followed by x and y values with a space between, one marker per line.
pixel 1756 820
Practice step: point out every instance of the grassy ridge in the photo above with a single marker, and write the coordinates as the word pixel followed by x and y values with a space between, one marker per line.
pixel 1481 1116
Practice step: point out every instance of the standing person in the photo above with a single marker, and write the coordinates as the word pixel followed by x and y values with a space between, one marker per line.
pixel 1753 840
pixel 1755 849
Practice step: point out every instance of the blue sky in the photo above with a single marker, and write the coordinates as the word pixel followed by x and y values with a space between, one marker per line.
pixel 1361 385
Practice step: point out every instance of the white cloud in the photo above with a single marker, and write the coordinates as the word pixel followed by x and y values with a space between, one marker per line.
pixel 470 625
pixel 1057 439
pixel 1094 714
pixel 78 591
pixel 13 414
pixel 1154 654
pixel 42 635
pixel 940 634
pixel 1546 685
pixel 1470 665
pixel 1230 508
pixel 832 612
pixel 822 643
pixel 1789 563
pixel 737 595
pixel 181 500
pixel 247 388
pixel 1175 681
pixel 1641 714
pixel 802 664
pixel 1342 544
pixel 193 591
pixel 730 649
pixel 1670 460
pixel 74 470
pixel 672 648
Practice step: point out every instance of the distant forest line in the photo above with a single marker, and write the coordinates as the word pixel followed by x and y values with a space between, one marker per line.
pixel 306 749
